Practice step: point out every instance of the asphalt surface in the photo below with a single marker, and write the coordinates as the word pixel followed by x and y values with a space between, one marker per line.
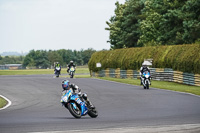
pixel 123 108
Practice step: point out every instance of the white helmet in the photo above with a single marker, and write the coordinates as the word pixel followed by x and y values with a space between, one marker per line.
pixel 146 63
pixel 77 89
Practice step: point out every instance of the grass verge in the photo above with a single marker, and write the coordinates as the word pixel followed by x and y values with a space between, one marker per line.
pixel 3 102
pixel 160 84
pixel 79 70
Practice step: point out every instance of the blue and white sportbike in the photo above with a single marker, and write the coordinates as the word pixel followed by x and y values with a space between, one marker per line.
pixel 146 79
pixel 77 106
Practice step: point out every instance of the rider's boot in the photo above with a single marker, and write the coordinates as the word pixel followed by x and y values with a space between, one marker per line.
pixel 90 105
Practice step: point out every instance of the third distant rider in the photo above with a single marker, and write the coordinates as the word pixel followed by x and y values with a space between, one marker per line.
pixel 143 69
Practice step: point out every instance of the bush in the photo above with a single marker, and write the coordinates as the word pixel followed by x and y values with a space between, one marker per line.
pixel 185 58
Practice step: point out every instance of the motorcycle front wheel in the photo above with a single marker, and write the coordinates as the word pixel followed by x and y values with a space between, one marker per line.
pixel 71 75
pixel 75 112
pixel 147 85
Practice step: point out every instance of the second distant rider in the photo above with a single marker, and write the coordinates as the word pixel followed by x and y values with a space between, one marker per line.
pixel 71 64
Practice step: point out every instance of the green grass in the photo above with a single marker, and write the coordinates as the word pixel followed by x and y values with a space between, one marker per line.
pixel 160 84
pixel 26 72
pixel 79 70
pixel 82 70
pixel 3 102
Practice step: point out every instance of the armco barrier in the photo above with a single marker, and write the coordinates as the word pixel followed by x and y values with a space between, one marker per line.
pixel 166 74
pixel 112 73
pixel 197 79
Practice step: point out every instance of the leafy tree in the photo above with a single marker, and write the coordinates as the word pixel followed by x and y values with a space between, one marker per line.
pixel 86 54
pixel 191 21
pixel 154 22
pixel 41 59
pixel 31 62
pixel 162 23
pixel 124 27
pixel 37 58
pixel 78 57
pixel 67 55
pixel 132 15
pixel 53 56
pixel 115 27
pixel 28 61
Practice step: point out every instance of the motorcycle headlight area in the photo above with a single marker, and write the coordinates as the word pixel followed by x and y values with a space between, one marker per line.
pixel 64 99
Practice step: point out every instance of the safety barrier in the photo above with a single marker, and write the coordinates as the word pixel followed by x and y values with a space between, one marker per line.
pixel 161 74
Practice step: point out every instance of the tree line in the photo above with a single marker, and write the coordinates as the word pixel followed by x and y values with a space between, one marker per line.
pixel 11 60
pixel 46 59
pixel 138 23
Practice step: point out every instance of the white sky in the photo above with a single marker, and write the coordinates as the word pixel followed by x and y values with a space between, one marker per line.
pixel 54 24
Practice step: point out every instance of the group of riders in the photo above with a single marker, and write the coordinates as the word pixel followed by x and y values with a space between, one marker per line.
pixel 143 69
pixel 66 85
pixel 71 64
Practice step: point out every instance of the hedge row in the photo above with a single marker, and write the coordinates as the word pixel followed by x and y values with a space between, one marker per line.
pixel 185 58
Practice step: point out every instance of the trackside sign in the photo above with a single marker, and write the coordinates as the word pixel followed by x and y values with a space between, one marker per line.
pixel 98 65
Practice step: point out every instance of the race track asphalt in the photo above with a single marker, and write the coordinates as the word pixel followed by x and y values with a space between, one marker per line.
pixel 36 106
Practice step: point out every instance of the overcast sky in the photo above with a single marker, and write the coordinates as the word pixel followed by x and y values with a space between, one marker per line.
pixel 54 24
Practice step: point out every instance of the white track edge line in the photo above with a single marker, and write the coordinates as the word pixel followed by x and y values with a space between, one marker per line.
pixel 8 104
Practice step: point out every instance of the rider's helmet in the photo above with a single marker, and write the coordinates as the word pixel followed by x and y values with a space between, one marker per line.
pixel 71 62
pixel 65 84
pixel 57 64
pixel 144 65
pixel 77 89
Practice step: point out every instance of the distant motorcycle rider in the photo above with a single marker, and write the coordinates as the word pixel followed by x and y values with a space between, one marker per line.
pixel 143 69
pixel 71 64
pixel 66 85
pixel 57 67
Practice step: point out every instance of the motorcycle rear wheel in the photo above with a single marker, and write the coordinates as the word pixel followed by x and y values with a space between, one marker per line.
pixel 75 112
pixel 93 113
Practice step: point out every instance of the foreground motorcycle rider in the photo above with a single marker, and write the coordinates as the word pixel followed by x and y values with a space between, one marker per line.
pixel 143 69
pixel 66 85
pixel 71 64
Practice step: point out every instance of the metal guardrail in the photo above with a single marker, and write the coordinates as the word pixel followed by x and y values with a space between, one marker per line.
pixel 166 74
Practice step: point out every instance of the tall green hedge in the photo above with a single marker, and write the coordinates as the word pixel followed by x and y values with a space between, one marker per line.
pixel 185 58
